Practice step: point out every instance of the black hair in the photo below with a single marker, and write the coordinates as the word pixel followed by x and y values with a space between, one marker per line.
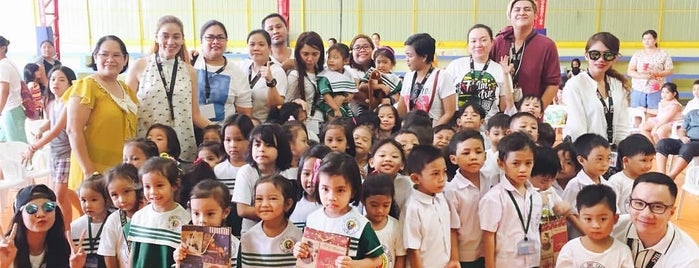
pixel 423 44
pixel 370 119
pixel 214 128
pixel 148 147
pixel 396 116
pixel 696 82
pixel 476 108
pixel 593 194
pixel 318 151
pixel 387 52
pixel 369 64
pixel 343 49
pixel 441 127
pixel 567 147
pixel 122 47
pixel 672 87
pixel 128 172
pixel 420 123
pixel 70 76
pixel 634 144
pixel 375 147
pixel 29 72
pixel 498 120
pixel 261 32
pixel 214 147
pixel 98 184
pixel 332 39
pixel 518 104
pixel 288 188
pixel 657 178
pixel 410 132
pixel 199 171
pixel 173 143
pixel 342 164
pixel 347 126
pixel 273 15
pixel 165 167
pixel 481 26
pixel 652 33
pixel 463 135
pixel 311 39
pixel 57 249
pixel 546 162
pixel 420 156
pixel 212 188
pixel 575 60
pixel 587 142
pixel 270 135
pixel 241 121
pixel 291 128
pixel 380 184
pixel 208 24
pixel 516 141
pixel 284 113
pixel 547 135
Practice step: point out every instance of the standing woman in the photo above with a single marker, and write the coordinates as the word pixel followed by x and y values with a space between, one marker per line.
pixel 101 113
pixel 267 80
pixel 223 89
pixel 597 101
pixel 11 111
pixel 480 80
pixel 426 88
pixel 648 69
pixel 167 87
pixel 48 54
pixel 310 58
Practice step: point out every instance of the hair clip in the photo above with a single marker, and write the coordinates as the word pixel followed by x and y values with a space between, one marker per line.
pixel 316 166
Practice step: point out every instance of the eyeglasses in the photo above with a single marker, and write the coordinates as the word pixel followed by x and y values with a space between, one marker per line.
pixel 32 208
pixel 606 55
pixel 210 38
pixel 358 48
pixel 657 207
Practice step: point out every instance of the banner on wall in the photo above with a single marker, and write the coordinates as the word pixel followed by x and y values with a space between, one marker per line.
pixel 540 20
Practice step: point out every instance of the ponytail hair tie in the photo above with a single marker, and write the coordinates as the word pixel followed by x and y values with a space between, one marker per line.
pixel 316 166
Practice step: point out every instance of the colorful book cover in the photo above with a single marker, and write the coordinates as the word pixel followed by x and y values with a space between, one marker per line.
pixel 206 246
pixel 325 248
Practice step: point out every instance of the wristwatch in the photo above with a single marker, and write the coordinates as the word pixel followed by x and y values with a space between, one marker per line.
pixel 272 83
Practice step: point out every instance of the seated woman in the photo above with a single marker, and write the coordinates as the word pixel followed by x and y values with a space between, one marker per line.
pixel 37 235
pixel 669 112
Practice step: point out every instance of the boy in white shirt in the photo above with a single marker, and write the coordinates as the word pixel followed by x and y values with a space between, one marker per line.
pixel 467 150
pixel 546 166
pixel 593 153
pixel 510 212
pixel 497 127
pixel 636 155
pixel 426 233
pixel 596 204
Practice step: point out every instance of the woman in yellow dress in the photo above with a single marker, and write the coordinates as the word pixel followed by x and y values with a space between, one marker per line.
pixel 101 112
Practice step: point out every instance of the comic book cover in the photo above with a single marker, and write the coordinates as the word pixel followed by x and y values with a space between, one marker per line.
pixel 207 247
pixel 325 248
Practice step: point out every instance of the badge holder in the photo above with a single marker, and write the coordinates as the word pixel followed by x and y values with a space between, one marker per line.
pixel 526 247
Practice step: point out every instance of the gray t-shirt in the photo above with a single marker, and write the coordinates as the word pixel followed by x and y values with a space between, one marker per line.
pixel 60 146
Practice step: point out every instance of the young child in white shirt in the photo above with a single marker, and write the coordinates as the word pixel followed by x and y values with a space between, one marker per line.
pixel 381 211
pixel 525 122
pixel 636 154
pixel 593 153
pixel 510 212
pixel 464 191
pixel 497 127
pixel 426 224
pixel 597 208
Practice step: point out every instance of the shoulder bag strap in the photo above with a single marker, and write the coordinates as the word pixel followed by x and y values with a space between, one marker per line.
pixel 434 89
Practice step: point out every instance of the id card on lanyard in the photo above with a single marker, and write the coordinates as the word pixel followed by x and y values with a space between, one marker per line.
pixel 525 246
pixel 207 109
pixel 171 91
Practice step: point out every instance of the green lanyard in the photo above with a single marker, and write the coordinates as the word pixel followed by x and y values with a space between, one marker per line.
pixel 519 213
pixel 89 233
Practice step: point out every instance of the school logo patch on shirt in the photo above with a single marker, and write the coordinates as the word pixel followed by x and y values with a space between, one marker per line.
pixel 591 264
pixel 287 245
pixel 350 226
pixel 174 222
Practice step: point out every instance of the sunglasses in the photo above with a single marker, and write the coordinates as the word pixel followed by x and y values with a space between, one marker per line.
pixel 606 55
pixel 47 207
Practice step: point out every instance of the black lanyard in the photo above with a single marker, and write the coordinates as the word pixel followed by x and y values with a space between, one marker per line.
pixel 608 110
pixel 516 59
pixel 656 255
pixel 122 217
pixel 90 239
pixel 472 88
pixel 253 80
pixel 416 88
pixel 519 213
pixel 207 86
pixel 171 91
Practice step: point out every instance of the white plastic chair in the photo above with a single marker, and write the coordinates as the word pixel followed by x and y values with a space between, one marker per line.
pixel 13 150
pixel 31 127
pixel 691 186
pixel 633 114
pixel 13 177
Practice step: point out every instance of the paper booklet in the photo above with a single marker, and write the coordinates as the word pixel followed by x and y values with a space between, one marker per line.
pixel 206 246
pixel 325 248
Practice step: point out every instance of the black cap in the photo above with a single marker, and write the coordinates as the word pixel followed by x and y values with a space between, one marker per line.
pixel 31 192
pixel 4 42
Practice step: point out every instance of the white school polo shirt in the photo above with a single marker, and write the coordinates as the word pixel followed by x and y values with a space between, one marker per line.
pixel 426 228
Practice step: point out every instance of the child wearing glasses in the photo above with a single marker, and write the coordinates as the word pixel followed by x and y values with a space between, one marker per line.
pixel 597 101
pixel 597 206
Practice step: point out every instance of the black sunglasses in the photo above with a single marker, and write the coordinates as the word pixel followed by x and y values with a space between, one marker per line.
pixel 606 55
pixel 32 208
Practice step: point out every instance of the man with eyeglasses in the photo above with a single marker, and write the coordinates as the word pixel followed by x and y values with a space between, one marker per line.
pixel 533 57
pixel 654 241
